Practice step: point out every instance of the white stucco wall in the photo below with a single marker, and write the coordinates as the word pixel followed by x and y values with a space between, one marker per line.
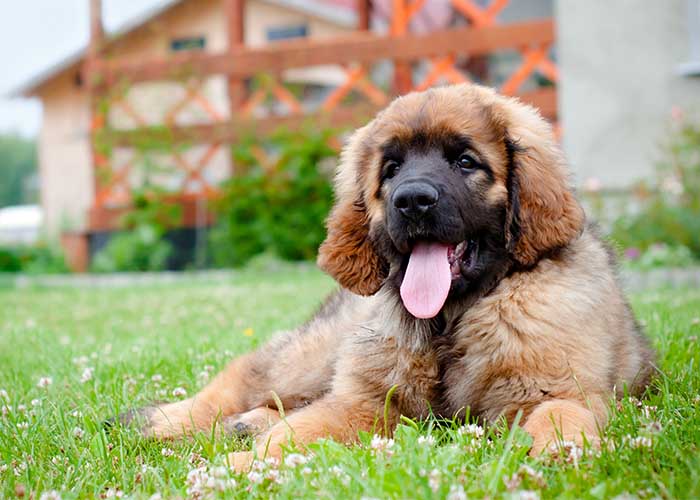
pixel 619 65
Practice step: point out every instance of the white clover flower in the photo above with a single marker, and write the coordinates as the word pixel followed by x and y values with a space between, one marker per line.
pixel 382 445
pixel 50 495
pixel 76 414
pixel 340 474
pixel 473 430
pixel 273 475
pixel 23 425
pixel 86 376
pixel 156 496
pixel 157 378
pixel 44 382
pixel 428 440
pixel 167 452
pixel 78 433
pixel 19 468
pixel 294 459
pixel 511 483
pixel 654 427
pixel 36 402
pixel 219 472
pixel 255 477
pixel 528 495
pixel 639 441
pixel 456 493
pixel 567 451
pixel 306 471
pixel 179 392
pixel 534 475
pixel 4 395
pixel 648 411
pixel 434 478
pixel 6 410
pixel 625 496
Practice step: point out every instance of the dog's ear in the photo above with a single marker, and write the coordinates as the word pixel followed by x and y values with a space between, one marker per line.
pixel 543 213
pixel 348 254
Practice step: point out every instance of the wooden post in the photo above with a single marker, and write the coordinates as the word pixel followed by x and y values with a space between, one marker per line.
pixel 91 81
pixel 235 11
pixel 97 32
pixel 364 14
pixel 403 80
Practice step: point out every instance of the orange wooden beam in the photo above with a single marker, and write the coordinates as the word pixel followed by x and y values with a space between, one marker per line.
pixel 359 47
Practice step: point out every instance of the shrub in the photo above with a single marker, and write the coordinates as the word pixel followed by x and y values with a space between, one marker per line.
pixel 670 211
pixel 141 247
pixel 277 206
pixel 35 259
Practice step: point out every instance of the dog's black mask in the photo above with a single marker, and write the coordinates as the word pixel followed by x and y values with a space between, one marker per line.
pixel 436 192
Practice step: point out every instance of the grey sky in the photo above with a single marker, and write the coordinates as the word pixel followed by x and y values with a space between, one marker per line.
pixel 34 34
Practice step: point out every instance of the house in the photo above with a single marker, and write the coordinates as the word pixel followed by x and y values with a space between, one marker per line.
pixel 68 176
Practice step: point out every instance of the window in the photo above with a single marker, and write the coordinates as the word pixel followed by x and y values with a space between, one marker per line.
pixel 286 32
pixel 188 43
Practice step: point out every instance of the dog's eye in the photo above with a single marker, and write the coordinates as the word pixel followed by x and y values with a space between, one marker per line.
pixel 467 162
pixel 391 168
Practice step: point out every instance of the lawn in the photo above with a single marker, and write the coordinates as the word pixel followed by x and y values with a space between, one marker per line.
pixel 69 358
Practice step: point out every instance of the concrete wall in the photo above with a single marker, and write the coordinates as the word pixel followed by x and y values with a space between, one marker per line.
pixel 619 64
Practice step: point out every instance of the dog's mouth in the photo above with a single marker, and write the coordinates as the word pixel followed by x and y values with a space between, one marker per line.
pixel 463 258
pixel 431 270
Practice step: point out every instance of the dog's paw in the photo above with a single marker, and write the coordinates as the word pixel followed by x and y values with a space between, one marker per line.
pixel 241 461
pixel 251 423
pixel 139 418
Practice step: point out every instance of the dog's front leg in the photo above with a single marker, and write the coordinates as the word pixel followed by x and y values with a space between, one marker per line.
pixel 229 393
pixel 330 417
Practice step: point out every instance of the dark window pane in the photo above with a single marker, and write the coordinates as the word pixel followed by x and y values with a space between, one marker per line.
pixel 286 32
pixel 188 43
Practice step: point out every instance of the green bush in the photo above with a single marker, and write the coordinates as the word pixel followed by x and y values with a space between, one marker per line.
pixel 670 211
pixel 17 169
pixel 35 259
pixel 277 207
pixel 141 247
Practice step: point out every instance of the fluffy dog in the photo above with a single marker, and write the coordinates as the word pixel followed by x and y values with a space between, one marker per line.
pixel 469 281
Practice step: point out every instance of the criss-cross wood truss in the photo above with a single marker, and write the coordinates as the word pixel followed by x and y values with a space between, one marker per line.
pixel 260 99
pixel 535 57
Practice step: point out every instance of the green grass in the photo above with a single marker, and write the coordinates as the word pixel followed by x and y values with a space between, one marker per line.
pixel 142 342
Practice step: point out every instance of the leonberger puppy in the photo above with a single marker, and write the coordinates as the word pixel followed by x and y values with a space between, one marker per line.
pixel 471 284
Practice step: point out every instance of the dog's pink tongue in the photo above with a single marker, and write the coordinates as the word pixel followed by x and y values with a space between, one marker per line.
pixel 427 281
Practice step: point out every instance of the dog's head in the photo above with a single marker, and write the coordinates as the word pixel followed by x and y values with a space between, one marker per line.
pixel 440 187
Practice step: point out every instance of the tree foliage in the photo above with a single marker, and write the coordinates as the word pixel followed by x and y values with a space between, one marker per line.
pixel 17 165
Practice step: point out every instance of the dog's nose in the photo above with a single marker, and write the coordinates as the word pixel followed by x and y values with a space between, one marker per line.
pixel 415 199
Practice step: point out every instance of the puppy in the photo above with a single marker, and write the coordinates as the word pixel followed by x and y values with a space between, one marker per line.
pixel 469 281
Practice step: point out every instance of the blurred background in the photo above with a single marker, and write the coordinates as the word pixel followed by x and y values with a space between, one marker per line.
pixel 145 135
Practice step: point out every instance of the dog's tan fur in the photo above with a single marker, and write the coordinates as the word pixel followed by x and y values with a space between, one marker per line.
pixel 553 339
